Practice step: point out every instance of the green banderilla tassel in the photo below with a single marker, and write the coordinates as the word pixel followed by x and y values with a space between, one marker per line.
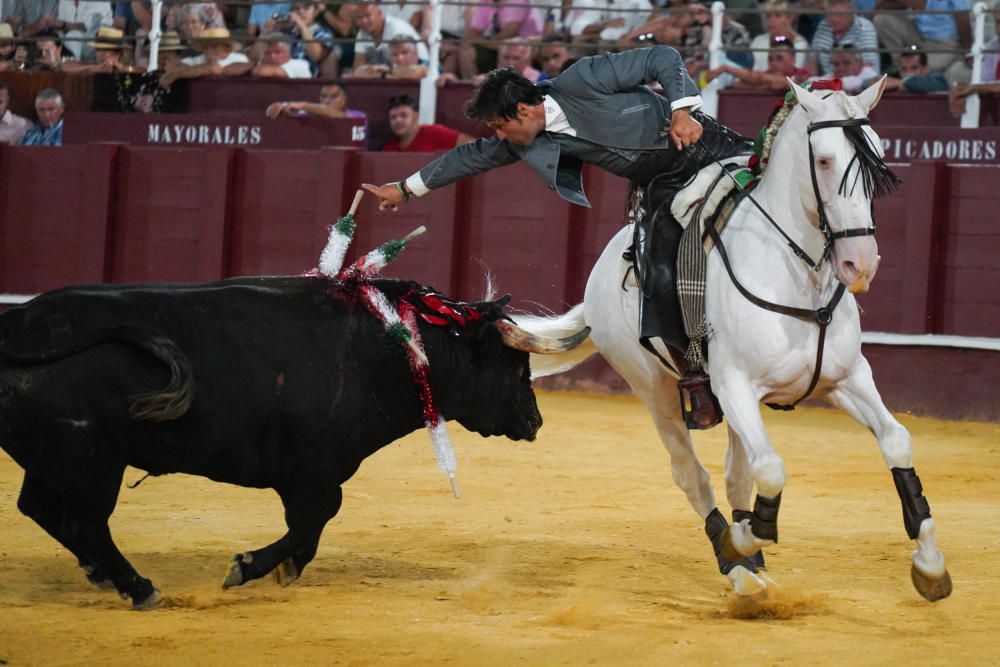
pixel 346 225
pixel 399 332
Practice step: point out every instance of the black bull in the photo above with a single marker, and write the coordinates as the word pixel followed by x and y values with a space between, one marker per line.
pixel 283 383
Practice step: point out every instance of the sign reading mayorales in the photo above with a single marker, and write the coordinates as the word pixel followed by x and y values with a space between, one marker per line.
pixel 180 133
pixel 236 130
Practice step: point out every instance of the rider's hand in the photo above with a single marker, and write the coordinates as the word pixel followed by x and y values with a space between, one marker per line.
pixel 389 196
pixel 684 130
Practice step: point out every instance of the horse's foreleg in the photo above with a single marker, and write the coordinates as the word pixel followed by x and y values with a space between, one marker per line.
pixel 767 470
pixel 739 487
pixel 858 396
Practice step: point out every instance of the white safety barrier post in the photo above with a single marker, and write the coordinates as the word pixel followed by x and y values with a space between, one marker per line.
pixel 710 93
pixel 971 116
pixel 428 85
pixel 154 37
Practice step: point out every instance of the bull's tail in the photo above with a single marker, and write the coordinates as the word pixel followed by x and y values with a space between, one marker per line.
pixel 557 326
pixel 170 402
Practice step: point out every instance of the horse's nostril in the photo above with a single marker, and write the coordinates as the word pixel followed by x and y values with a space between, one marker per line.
pixel 850 268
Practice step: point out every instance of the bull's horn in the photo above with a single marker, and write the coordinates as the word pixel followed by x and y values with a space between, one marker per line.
pixel 519 339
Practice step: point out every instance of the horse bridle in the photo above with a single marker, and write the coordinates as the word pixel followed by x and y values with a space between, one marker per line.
pixel 824 223
pixel 824 314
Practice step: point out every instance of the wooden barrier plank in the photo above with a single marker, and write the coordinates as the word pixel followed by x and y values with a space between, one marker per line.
pixel 428 258
pixel 54 207
pixel 281 207
pixel 170 214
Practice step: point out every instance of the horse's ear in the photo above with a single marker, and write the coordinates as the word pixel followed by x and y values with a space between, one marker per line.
pixel 809 100
pixel 870 96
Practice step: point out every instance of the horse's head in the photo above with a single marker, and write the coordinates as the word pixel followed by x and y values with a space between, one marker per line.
pixel 847 172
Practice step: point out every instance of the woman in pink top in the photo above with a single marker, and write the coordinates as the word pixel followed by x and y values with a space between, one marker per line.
pixel 497 20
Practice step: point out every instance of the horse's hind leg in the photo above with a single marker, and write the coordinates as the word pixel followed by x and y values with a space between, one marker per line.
pixel 46 506
pixel 859 397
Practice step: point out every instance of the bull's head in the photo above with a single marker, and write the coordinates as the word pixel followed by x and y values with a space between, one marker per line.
pixel 499 399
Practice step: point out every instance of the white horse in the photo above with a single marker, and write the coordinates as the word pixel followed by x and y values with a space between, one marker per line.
pixel 759 356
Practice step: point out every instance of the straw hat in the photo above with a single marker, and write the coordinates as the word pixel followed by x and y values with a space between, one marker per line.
pixel 6 32
pixel 171 41
pixel 108 39
pixel 212 36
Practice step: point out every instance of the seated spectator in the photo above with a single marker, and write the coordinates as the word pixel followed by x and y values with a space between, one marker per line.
pixel 517 56
pixel 51 56
pixel 264 15
pixel 926 31
pixel 190 19
pixel 411 136
pixel 7 47
pixel 312 41
pixel 29 17
pixel 417 14
pixel 275 61
pixel 780 68
pixel 608 20
pixel 850 67
pixel 168 55
pixel 332 104
pixel 958 95
pixel 405 63
pixel 780 23
pixel 698 36
pixel 79 20
pixel 493 23
pixel 375 34
pixel 340 18
pixel 552 55
pixel 458 57
pixel 48 132
pixel 12 126
pixel 842 26
pixel 216 51
pixel 665 28
pixel 915 76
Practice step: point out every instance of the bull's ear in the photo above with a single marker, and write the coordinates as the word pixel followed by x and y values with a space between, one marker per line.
pixel 503 301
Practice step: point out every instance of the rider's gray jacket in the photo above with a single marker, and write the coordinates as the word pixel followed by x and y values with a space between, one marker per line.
pixel 617 120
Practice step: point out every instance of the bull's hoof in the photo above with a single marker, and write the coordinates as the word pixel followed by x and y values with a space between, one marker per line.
pixel 286 573
pixel 727 549
pixel 932 589
pixel 235 575
pixel 151 601
pixel 97 578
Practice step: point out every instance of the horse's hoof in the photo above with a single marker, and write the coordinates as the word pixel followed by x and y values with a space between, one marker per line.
pixel 235 575
pixel 932 589
pixel 286 572
pixel 152 600
pixel 749 584
pixel 729 552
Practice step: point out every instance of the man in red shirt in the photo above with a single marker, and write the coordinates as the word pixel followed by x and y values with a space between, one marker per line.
pixel 411 136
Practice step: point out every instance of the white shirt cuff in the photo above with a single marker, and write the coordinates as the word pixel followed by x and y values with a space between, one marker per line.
pixel 692 103
pixel 416 185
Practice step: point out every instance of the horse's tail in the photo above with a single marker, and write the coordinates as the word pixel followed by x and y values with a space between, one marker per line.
pixel 164 404
pixel 557 326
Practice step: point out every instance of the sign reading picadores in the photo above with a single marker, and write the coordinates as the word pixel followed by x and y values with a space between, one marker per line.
pixel 906 144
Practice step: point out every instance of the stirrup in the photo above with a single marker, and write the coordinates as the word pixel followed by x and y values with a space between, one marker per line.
pixel 699 405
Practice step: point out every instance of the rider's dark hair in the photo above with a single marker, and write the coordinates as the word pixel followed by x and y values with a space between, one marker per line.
pixel 499 95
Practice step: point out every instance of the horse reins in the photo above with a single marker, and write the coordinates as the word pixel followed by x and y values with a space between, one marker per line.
pixel 824 314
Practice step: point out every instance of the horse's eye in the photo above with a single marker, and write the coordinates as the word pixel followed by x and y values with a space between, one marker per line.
pixel 824 163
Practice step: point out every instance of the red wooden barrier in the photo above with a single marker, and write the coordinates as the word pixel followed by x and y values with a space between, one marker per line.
pixel 428 258
pixel 169 220
pixel 54 211
pixel 281 206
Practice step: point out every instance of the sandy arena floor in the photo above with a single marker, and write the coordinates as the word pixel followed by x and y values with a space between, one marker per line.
pixel 575 549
